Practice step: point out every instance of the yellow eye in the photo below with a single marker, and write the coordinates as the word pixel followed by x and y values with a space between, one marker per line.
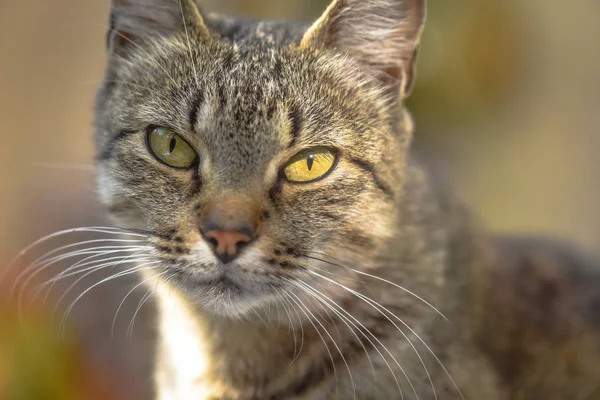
pixel 309 165
pixel 170 148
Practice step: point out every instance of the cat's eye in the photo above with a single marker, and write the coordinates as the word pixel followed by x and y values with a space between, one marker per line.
pixel 309 165
pixel 170 148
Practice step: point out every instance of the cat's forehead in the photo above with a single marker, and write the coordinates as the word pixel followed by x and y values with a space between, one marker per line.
pixel 245 68
pixel 242 85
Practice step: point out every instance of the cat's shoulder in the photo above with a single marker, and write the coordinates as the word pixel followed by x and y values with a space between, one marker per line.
pixel 542 321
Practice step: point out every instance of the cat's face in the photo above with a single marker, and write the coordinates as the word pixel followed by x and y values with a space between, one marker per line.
pixel 252 165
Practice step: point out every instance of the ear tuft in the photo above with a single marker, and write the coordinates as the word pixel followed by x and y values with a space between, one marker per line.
pixel 134 21
pixel 381 34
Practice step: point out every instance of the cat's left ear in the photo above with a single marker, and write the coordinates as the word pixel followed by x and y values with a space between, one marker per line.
pixel 381 34
pixel 134 21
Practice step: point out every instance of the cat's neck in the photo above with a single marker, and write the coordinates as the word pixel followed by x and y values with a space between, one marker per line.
pixel 201 351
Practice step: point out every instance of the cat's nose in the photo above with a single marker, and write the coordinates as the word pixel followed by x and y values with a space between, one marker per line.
pixel 227 244
pixel 228 224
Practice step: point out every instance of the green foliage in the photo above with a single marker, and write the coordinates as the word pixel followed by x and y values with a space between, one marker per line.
pixel 34 364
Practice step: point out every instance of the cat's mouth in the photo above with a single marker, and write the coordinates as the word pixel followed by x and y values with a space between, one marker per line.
pixel 220 281
pixel 225 292
pixel 222 284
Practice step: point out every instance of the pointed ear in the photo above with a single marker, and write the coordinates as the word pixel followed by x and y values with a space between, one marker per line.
pixel 381 34
pixel 136 21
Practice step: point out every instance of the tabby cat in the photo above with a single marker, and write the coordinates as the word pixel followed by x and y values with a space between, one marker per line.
pixel 300 251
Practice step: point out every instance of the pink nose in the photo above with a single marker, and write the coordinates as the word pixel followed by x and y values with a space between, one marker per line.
pixel 228 223
pixel 227 244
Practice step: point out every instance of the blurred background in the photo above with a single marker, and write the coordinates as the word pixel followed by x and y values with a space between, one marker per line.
pixel 506 105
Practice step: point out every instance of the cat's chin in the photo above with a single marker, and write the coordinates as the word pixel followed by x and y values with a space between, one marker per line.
pixel 222 296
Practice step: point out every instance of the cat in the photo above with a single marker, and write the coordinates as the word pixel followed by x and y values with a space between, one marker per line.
pixel 300 250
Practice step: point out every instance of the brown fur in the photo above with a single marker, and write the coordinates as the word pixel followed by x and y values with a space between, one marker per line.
pixel 335 295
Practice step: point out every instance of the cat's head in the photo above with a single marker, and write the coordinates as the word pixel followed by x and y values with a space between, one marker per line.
pixel 257 155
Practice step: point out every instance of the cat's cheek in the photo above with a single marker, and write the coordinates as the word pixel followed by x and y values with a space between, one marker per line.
pixel 115 197
pixel 128 217
pixel 106 186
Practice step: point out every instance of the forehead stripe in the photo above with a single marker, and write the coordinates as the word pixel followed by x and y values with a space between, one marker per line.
pixel 193 116
pixel 295 118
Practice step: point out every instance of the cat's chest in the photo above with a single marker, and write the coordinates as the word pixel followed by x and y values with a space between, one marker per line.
pixel 182 360
pixel 194 362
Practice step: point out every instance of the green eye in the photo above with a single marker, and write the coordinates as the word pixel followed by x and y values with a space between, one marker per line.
pixel 309 165
pixel 170 148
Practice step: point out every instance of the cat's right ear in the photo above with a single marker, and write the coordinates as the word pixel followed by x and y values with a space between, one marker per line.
pixel 382 35
pixel 134 21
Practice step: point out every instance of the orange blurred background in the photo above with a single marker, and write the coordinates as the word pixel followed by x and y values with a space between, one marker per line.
pixel 506 108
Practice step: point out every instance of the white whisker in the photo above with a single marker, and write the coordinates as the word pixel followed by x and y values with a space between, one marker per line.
pixel 90 229
pixel 374 304
pixel 112 329
pixel 185 28
pixel 129 271
pixel 319 296
pixel 76 269
pixel 301 328
pixel 98 251
pixel 382 280
pixel 44 262
pixel 282 301
pixel 392 322
pixel 143 301
pixel 334 343
pixel 126 260
pixel 365 329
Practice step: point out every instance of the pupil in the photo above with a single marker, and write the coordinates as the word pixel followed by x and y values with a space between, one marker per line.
pixel 172 144
pixel 309 161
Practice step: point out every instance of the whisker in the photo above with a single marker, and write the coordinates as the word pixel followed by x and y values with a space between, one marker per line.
pixel 373 302
pixel 359 295
pixel 149 293
pixel 301 328
pixel 89 229
pixel 268 313
pixel 74 270
pixel 189 45
pixel 380 279
pixel 145 297
pixel 125 260
pixel 304 310
pixel 334 343
pixel 319 313
pixel 100 250
pixel 112 329
pixel 260 317
pixel 319 295
pixel 282 301
pixel 130 271
pixel 277 307
pixel 50 262
pixel 367 330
